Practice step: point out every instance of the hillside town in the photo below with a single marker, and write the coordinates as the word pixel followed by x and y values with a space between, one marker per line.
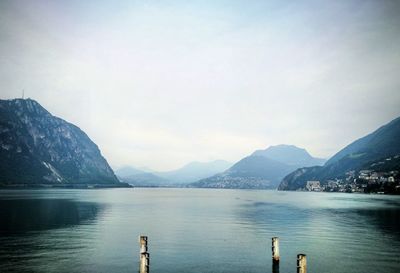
pixel 372 180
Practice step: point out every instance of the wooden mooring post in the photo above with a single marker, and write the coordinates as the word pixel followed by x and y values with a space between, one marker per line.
pixel 144 265
pixel 275 255
pixel 301 263
pixel 275 250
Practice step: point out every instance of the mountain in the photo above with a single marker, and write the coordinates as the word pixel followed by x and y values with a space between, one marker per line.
pixel 188 173
pixel 364 152
pixel 252 172
pixel 145 179
pixel 290 155
pixel 383 142
pixel 39 148
pixel 139 178
pixel 128 171
pixel 194 171
pixel 262 169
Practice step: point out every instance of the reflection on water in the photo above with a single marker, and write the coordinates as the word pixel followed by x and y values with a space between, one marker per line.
pixel 193 230
pixel 38 234
pixel 387 220
pixel 339 234
pixel 21 215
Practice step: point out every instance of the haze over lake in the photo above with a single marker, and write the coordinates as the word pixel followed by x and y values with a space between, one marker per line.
pixel 197 230
pixel 164 83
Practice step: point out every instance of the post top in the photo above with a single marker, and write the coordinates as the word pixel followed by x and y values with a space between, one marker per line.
pixel 143 239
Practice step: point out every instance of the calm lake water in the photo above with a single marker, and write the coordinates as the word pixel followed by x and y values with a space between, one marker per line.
pixel 197 230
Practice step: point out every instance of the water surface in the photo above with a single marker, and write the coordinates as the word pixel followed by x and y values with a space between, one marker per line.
pixel 197 230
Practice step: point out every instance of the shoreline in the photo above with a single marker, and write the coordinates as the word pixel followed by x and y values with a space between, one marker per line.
pixel 65 186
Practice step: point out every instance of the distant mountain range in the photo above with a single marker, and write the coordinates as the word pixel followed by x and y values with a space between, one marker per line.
pixel 39 148
pixel 138 177
pixel 145 179
pixel 263 169
pixel 361 154
pixel 128 171
pixel 188 173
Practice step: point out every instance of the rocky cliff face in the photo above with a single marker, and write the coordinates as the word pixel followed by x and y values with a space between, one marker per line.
pixel 37 147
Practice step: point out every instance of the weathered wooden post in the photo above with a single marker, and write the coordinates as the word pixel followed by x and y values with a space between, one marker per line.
pixel 144 265
pixel 275 250
pixel 275 255
pixel 301 263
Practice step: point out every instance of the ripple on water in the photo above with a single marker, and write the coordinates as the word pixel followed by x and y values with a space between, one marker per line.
pixel 197 230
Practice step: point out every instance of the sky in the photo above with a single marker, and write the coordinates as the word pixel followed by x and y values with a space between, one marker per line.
pixel 163 83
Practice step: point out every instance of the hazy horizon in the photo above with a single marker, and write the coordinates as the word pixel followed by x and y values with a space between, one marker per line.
pixel 160 84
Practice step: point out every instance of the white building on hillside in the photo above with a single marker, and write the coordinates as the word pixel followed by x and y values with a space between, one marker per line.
pixel 313 186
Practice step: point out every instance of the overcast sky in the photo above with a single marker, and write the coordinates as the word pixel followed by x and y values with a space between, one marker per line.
pixel 163 83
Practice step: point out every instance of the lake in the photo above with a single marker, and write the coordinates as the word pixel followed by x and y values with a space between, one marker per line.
pixel 197 230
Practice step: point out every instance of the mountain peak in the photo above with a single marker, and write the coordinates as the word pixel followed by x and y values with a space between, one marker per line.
pixel 281 148
pixel 37 147
pixel 24 107
pixel 289 154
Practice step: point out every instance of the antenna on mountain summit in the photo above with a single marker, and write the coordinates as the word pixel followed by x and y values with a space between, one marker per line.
pixel 23 93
